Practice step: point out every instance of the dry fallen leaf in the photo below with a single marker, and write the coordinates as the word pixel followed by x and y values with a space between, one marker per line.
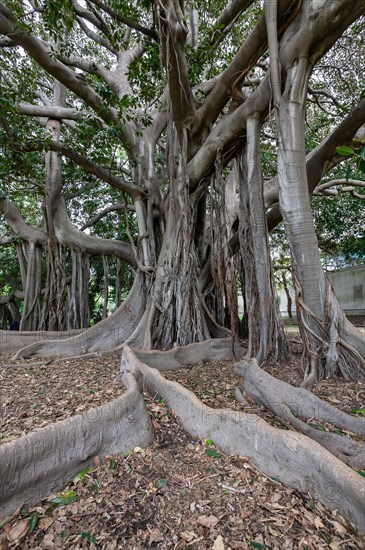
pixel 97 461
pixel 318 523
pixel 45 522
pixel 339 528
pixel 18 530
pixel 208 521
pixel 48 541
pixel 218 543
pixel 155 536
pixel 188 536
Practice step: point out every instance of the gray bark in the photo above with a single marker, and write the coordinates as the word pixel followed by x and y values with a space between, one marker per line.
pixel 44 461
pixel 308 466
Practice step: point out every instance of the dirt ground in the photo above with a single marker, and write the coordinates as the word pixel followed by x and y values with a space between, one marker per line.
pixel 180 493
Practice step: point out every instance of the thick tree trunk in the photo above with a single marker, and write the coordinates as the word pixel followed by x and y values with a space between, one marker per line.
pixel 322 324
pixel 55 306
pixel 288 296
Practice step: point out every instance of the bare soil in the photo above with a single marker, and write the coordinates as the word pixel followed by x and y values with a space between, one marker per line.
pixel 181 493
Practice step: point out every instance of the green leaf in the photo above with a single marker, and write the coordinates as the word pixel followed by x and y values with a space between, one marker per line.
pixel 317 426
pixel 361 473
pixel 311 504
pixel 348 173
pixel 66 497
pixel 212 453
pixel 325 537
pixel 112 464
pixel 345 151
pixel 358 411
pixel 256 544
pixel 33 522
pixel 209 442
pixel 87 536
pixel 161 483
pixel 81 474
pixel 63 534
pixel 24 511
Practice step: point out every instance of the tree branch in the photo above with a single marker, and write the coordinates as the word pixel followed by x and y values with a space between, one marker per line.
pixel 314 92
pixel 95 37
pixel 227 19
pixel 173 31
pixel 103 213
pixel 17 224
pixel 102 173
pixel 245 59
pixel 42 55
pixel 48 111
pixel 97 21
pixel 349 187
pixel 132 24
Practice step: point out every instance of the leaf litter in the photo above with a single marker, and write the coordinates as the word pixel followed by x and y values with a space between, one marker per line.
pixel 173 495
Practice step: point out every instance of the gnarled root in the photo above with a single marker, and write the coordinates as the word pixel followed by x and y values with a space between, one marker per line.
pixel 209 350
pixel 43 461
pixel 297 460
pixel 290 403
pixel 106 335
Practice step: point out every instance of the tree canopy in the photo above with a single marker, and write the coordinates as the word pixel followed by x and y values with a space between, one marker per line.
pixel 158 142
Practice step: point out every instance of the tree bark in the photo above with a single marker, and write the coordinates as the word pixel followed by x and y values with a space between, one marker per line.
pixel 322 324
pixel 265 328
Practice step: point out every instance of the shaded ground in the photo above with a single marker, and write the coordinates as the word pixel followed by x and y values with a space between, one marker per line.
pixel 181 493
pixel 31 398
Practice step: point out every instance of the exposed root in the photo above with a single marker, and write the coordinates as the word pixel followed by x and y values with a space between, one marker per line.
pixel 174 359
pixel 43 461
pixel 293 458
pixel 332 345
pixel 290 404
pixel 266 388
pixel 106 335
pixel 350 452
pixel 13 341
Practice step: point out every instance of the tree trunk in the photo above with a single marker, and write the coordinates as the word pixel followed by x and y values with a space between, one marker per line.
pixel 265 329
pixel 288 296
pixel 322 323
pixel 32 292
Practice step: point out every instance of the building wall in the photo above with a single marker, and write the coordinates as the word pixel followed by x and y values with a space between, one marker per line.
pixel 349 287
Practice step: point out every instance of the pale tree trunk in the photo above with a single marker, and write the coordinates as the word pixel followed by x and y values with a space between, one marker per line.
pixel 322 324
pixel 265 328
pixel 79 315
pixel 55 298
pixel 118 288
pixel 178 317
